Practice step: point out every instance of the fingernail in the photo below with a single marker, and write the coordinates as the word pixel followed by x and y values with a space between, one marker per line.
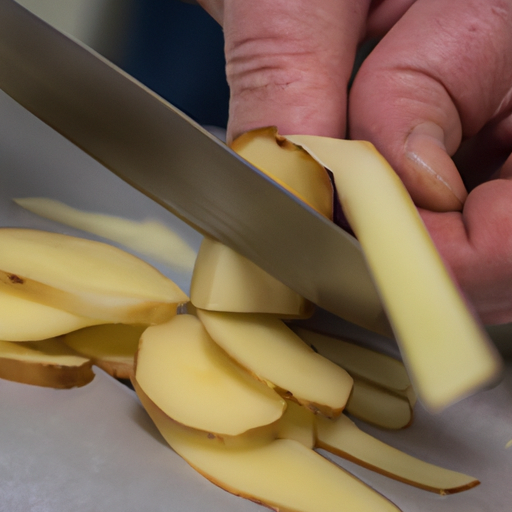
pixel 434 181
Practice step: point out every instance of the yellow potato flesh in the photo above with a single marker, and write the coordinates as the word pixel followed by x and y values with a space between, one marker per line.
pixel 195 383
pixel 275 354
pixel 297 423
pixel 112 347
pixel 379 406
pixel 289 165
pixel 342 437
pixel 367 364
pixel 445 350
pixel 281 474
pixel 85 277
pixel 22 319
pixel 223 280
pixel 48 363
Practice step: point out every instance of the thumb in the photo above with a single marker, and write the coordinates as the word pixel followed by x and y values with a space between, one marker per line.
pixel 288 63
pixel 436 78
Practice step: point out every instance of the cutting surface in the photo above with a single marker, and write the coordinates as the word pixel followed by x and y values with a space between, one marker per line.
pixel 94 448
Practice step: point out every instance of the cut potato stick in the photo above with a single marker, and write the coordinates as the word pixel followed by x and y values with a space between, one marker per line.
pixel 194 382
pixel 281 474
pixel 48 363
pixel 445 350
pixel 273 353
pixel 22 319
pixel 343 438
pixel 223 280
pixel 85 277
pixel 112 347
pixel 379 406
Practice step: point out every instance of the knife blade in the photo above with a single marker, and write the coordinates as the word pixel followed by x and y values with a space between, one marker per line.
pixel 157 149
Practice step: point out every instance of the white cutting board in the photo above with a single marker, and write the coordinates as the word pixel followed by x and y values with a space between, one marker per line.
pixel 94 449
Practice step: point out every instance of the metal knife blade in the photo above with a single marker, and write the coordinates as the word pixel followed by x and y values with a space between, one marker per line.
pixel 160 151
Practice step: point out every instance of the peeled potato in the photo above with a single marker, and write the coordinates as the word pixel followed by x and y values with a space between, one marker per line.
pixel 273 353
pixel 379 406
pixel 195 383
pixel 22 319
pixel 85 277
pixel 445 349
pixel 223 280
pixel 282 474
pixel 112 347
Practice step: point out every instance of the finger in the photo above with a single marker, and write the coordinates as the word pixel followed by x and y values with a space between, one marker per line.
pixel 477 246
pixel 441 74
pixel 288 63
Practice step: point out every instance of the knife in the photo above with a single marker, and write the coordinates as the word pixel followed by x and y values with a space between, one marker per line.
pixel 156 148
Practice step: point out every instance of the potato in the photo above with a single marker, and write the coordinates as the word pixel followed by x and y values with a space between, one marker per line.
pixel 195 383
pixel 379 406
pixel 273 353
pixel 112 347
pixel 223 280
pixel 22 319
pixel 280 473
pixel 445 349
pixel 86 278
pixel 47 363
pixel 342 437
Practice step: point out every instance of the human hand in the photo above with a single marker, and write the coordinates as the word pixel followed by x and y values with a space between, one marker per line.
pixel 441 75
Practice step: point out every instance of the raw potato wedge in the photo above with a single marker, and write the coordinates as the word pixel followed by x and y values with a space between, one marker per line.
pixel 48 363
pixel 361 362
pixel 273 353
pixel 195 383
pixel 379 406
pixel 289 165
pixel 343 438
pixel 22 319
pixel 223 280
pixel 112 347
pixel 446 351
pixel 85 277
pixel 281 474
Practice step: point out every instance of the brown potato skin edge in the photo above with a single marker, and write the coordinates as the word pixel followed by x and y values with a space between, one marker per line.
pixel 46 375
pixel 443 492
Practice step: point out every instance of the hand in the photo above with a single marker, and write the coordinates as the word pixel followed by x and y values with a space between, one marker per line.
pixel 438 85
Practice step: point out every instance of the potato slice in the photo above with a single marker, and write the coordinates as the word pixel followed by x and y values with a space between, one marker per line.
pixel 297 423
pixel 273 353
pixel 446 351
pixel 22 319
pixel 112 347
pixel 49 363
pixel 281 474
pixel 379 406
pixel 289 165
pixel 342 437
pixel 85 277
pixel 359 361
pixel 194 382
pixel 223 280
